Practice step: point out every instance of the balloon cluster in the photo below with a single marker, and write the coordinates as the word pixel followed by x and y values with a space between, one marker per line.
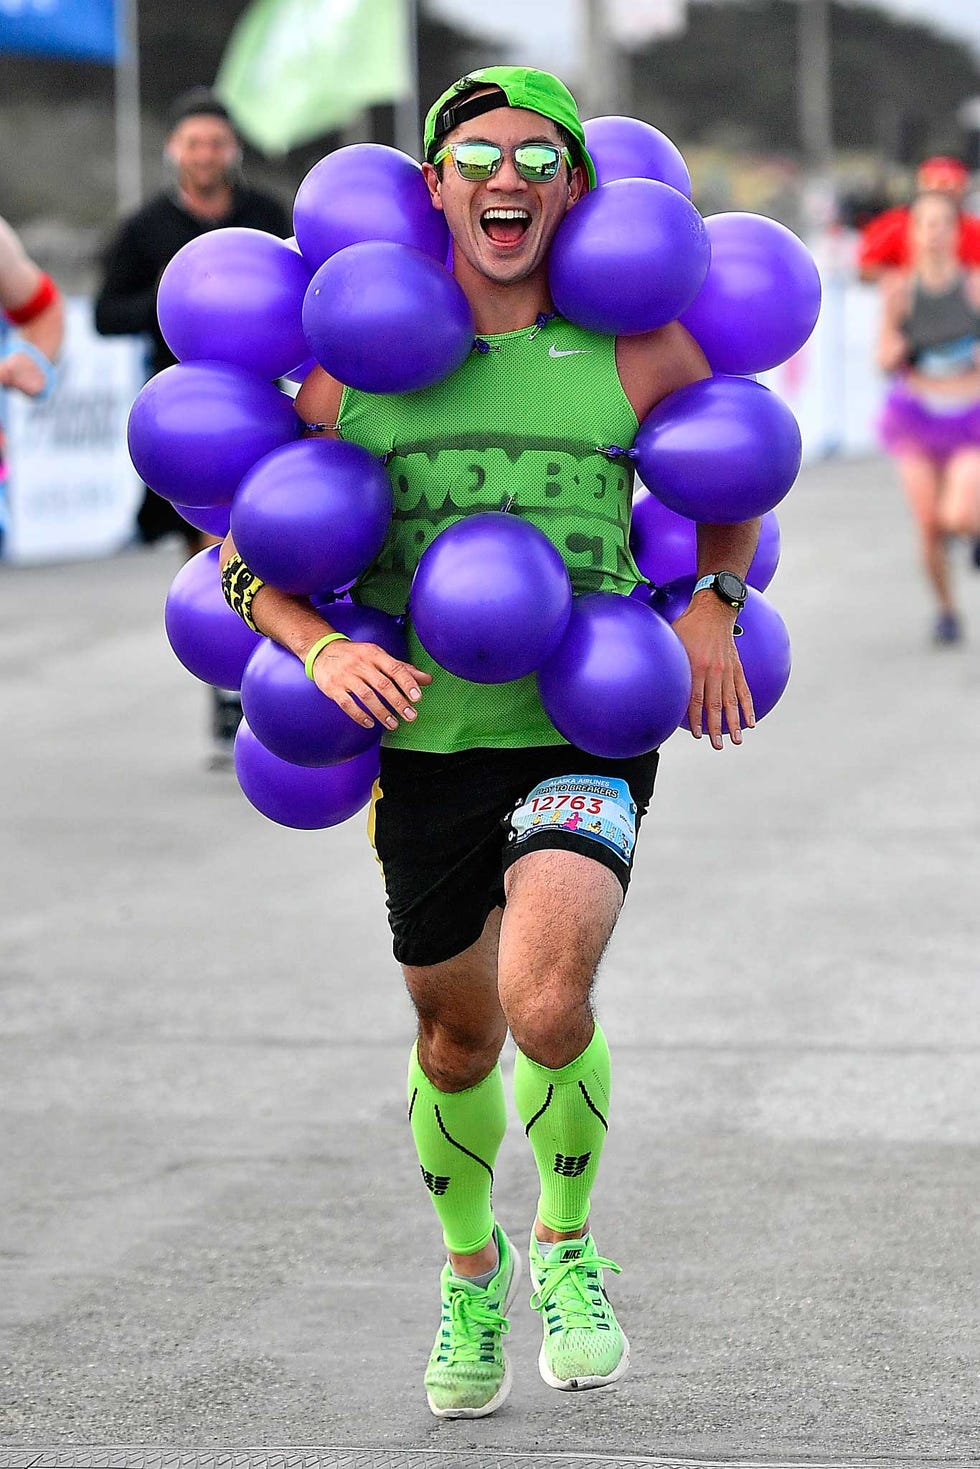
pixel 632 256
pixel 363 290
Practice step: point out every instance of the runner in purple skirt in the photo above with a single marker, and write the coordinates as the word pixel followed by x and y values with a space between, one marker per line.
pixel 930 341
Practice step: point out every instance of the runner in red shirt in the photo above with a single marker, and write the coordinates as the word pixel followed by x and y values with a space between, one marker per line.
pixel 885 241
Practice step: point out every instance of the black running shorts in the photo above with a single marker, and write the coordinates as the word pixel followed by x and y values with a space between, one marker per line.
pixel 447 827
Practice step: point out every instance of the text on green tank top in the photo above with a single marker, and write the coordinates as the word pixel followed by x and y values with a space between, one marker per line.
pixel 524 423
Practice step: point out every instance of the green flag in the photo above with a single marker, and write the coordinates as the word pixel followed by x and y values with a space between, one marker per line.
pixel 295 69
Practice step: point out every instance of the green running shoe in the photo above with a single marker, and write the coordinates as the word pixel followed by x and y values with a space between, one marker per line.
pixel 584 1345
pixel 468 1375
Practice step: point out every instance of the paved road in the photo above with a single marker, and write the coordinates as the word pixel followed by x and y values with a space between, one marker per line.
pixel 212 1231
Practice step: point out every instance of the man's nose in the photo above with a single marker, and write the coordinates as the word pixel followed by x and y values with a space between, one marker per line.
pixel 507 178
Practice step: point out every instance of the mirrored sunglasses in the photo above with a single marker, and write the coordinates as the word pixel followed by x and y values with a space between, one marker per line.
pixel 476 162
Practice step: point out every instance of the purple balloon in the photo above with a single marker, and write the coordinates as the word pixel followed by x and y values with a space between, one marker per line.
pixel 292 718
pixel 620 680
pixel 312 514
pixel 626 148
pixel 763 646
pixel 762 567
pixel 628 257
pixel 290 715
pixel 366 192
pixel 723 450
pixel 490 598
pixel 235 295
pixel 760 299
pixel 387 319
pixel 210 640
pixel 665 544
pixel 364 624
pixel 196 428
pixel 214 520
pixel 305 799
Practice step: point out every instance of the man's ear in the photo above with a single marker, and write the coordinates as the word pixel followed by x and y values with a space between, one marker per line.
pixel 578 185
pixel 434 185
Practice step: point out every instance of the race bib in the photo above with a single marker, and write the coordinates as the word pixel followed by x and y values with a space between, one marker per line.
pixel 591 806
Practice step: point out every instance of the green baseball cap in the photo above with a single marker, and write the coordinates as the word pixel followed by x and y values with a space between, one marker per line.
pixel 522 86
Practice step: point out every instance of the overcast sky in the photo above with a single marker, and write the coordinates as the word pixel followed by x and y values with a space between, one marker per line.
pixel 547 34
pixel 961 18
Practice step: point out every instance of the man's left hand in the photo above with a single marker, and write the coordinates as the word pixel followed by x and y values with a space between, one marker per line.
pixel 718 686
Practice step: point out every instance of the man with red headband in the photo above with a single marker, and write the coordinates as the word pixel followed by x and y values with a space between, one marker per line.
pixel 31 330
pixel 500 921
pixel 885 242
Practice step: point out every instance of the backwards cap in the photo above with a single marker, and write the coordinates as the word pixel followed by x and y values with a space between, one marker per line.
pixel 522 86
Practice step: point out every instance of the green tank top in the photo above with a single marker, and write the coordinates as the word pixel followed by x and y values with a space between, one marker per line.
pixel 526 420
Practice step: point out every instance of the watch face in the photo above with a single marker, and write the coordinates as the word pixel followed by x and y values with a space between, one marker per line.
pixel 732 587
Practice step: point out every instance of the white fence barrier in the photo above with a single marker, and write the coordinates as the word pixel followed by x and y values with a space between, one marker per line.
pixel 832 384
pixel 72 490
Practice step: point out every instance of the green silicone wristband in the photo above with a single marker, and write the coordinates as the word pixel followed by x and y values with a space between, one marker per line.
pixel 318 647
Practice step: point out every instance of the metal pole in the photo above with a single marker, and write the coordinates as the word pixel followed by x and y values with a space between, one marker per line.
pixel 408 133
pixel 813 94
pixel 129 172
pixel 600 81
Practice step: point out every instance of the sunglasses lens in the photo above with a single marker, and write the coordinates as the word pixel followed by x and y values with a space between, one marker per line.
pixel 476 161
pixel 537 162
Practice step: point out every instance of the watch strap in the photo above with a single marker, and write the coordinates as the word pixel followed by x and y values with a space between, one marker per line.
pixel 712 582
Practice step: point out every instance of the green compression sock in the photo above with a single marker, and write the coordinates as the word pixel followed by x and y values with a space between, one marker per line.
pixel 565 1115
pixel 457 1137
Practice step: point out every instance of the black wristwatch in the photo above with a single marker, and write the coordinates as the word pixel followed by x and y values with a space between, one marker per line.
pixel 726 585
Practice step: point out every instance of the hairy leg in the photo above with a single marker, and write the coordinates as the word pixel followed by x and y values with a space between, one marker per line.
pixel 561 911
pixel 461 1024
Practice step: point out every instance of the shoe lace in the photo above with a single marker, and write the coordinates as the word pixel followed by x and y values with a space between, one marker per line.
pixel 471 1332
pixel 573 1288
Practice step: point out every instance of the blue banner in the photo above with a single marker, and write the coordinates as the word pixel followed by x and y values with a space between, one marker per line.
pixel 84 29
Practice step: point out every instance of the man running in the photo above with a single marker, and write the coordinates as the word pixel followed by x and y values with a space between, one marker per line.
pixel 499 923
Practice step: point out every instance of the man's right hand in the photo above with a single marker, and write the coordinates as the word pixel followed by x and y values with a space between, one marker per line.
pixel 353 674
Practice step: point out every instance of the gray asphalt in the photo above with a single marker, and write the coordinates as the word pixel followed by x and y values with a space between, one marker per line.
pixel 212 1230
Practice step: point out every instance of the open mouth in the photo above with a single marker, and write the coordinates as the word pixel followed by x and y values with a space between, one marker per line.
pixel 505 226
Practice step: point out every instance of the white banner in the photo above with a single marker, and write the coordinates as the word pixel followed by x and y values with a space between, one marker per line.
pixel 72 490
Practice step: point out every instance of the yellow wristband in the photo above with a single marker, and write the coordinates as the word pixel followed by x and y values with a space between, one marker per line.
pixel 318 647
